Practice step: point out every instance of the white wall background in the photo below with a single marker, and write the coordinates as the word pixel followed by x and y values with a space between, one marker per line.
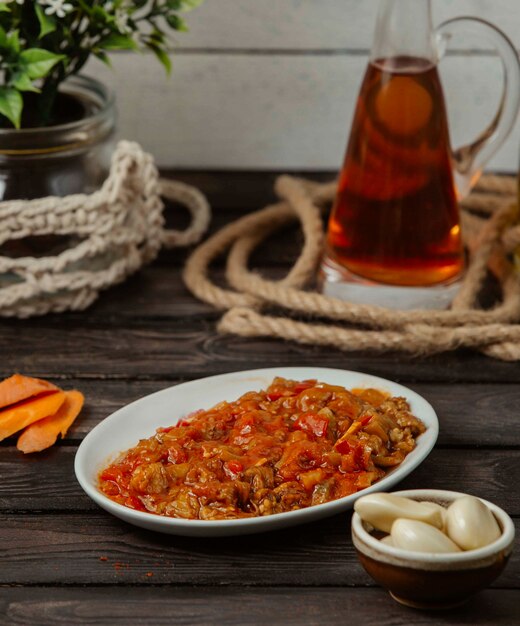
pixel 271 84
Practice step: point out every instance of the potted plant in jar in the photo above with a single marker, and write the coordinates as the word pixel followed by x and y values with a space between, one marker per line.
pixel 55 123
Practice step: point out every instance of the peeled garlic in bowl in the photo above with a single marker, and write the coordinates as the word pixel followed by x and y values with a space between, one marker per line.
pixel 470 524
pixel 417 536
pixel 382 509
pixel 431 579
pixel 420 526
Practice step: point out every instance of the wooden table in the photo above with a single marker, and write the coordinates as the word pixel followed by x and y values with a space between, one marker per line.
pixel 64 561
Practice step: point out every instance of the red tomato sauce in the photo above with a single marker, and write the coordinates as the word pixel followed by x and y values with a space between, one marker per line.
pixel 293 445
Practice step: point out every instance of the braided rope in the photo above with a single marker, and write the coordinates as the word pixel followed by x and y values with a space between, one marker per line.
pixel 120 227
pixel 489 238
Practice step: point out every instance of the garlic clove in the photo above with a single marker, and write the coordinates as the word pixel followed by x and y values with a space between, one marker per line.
pixel 382 509
pixel 417 536
pixel 470 523
pixel 441 510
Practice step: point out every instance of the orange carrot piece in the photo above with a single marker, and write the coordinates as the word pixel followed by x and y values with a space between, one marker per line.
pixel 43 433
pixel 17 388
pixel 24 413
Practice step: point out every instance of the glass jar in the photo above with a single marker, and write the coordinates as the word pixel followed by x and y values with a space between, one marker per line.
pixel 63 159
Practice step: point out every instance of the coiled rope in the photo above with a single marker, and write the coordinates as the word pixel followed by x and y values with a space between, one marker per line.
pixel 119 228
pixel 491 236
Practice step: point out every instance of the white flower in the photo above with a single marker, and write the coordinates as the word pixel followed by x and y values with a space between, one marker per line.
pixel 60 8
pixel 121 20
pixel 17 1
pixel 121 15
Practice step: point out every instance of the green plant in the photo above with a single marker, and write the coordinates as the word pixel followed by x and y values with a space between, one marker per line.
pixel 42 42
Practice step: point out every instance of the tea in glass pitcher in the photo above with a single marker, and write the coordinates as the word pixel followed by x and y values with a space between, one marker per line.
pixel 394 234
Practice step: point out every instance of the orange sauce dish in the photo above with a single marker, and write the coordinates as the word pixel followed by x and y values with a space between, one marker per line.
pixel 293 445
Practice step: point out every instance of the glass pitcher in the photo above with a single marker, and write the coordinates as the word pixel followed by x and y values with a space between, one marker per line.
pixel 394 235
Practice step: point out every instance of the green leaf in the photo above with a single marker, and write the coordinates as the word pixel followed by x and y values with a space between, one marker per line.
pixel 99 14
pixel 47 22
pixel 103 57
pixel 85 6
pixel 37 62
pixel 5 7
pixel 156 37
pixel 177 23
pixel 117 41
pixel 22 82
pixel 3 39
pixel 11 105
pixel 13 41
pixel 162 56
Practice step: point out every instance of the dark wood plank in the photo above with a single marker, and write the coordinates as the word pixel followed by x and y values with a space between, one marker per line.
pixel 150 333
pixel 476 415
pixel 170 349
pixel 279 249
pixel 489 474
pixel 469 415
pixel 157 292
pixel 238 607
pixel 95 548
pixel 239 191
pixel 51 347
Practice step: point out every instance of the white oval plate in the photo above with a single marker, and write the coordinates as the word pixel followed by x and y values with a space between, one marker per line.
pixel 139 420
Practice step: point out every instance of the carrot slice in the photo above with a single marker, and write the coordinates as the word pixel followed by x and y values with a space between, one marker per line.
pixel 43 433
pixel 17 388
pixel 24 413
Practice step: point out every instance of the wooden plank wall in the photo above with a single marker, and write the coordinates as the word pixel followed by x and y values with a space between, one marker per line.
pixel 272 84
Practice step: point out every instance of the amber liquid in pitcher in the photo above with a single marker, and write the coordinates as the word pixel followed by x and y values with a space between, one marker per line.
pixel 395 218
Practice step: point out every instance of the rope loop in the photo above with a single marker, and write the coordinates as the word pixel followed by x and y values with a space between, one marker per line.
pixel 115 231
pixel 491 234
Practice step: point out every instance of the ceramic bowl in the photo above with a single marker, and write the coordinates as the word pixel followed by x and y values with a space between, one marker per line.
pixel 427 580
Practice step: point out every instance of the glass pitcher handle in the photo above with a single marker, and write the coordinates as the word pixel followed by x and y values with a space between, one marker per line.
pixel 470 159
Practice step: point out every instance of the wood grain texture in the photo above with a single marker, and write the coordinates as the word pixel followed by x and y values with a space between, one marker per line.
pixel 485 473
pixel 239 607
pixel 64 561
pixel 77 347
pixel 91 548
pixel 490 418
